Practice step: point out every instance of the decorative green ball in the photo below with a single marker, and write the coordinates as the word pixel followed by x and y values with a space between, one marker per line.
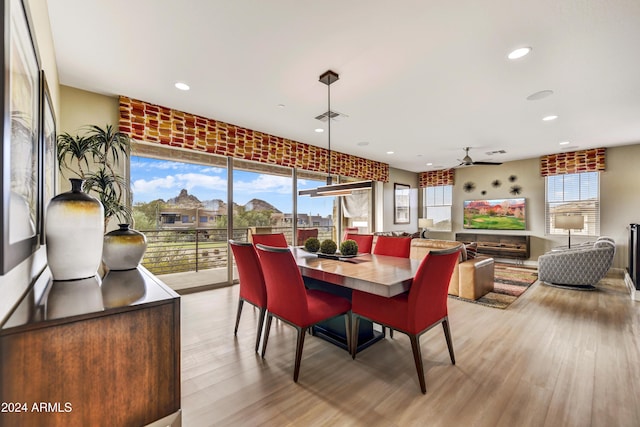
pixel 328 247
pixel 349 247
pixel 312 244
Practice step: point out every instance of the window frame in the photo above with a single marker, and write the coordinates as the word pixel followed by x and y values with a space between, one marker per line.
pixel 443 197
pixel 585 190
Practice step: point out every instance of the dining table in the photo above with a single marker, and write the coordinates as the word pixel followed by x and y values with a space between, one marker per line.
pixel 382 275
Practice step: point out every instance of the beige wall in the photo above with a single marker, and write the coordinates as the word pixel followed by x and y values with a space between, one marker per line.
pixel 15 282
pixel 386 222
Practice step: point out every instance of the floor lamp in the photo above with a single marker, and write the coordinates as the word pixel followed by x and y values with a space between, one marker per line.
pixel 569 222
pixel 424 223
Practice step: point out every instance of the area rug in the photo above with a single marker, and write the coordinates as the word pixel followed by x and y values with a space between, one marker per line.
pixel 511 281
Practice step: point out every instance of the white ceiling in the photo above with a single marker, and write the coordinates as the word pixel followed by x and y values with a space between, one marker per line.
pixel 422 78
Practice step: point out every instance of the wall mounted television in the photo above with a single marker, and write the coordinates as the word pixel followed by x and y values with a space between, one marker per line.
pixel 495 214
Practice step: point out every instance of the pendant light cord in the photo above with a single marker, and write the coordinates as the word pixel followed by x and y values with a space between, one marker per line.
pixel 329 180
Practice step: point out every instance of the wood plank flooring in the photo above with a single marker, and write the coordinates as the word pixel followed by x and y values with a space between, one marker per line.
pixel 555 357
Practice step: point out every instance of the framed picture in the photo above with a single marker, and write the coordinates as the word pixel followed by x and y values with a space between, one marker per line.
pixel 49 150
pixel 20 163
pixel 401 197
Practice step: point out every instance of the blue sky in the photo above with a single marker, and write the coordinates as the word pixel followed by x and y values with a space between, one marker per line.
pixel 153 179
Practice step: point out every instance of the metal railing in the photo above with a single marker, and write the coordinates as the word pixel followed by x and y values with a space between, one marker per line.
pixel 195 249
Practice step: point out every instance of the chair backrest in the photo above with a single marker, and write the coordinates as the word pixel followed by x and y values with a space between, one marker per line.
pixel 349 230
pixel 364 241
pixel 393 246
pixel 273 239
pixel 304 233
pixel 429 288
pixel 252 285
pixel 285 287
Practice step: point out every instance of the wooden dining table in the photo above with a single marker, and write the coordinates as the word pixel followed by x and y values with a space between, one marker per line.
pixel 382 275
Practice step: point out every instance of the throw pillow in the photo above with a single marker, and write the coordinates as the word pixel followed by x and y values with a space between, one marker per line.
pixel 472 250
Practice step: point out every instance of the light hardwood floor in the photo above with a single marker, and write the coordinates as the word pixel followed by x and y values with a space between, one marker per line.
pixel 554 358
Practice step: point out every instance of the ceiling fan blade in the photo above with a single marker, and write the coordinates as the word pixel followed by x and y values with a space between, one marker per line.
pixel 487 163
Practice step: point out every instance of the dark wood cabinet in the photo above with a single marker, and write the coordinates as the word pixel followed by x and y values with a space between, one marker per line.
pixel 498 245
pixel 115 366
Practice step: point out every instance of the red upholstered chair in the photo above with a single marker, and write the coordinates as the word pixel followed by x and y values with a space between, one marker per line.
pixel 393 246
pixel 273 239
pixel 364 241
pixel 292 303
pixel 416 311
pixel 252 287
pixel 304 233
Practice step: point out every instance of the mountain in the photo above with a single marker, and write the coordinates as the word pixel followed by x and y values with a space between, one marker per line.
pixel 260 205
pixel 186 200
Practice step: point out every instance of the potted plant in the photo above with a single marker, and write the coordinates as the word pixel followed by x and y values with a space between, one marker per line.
pixel 93 157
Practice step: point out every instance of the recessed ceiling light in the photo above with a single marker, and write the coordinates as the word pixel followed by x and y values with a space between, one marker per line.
pixel 363 143
pixel 519 53
pixel 182 86
pixel 549 118
pixel 390 152
pixel 539 95
pixel 319 130
pixel 565 143
pixel 280 105
pixel 429 164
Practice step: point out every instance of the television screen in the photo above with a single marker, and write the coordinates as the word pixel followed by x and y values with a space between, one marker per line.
pixel 496 214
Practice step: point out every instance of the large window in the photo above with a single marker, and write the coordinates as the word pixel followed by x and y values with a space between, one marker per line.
pixel 574 194
pixel 437 206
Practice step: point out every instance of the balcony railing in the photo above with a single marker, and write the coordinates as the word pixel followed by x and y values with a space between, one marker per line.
pixel 183 250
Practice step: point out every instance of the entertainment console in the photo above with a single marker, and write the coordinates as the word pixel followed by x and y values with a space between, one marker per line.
pixel 498 245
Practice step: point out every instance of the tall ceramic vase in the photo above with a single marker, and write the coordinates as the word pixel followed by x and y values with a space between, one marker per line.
pixel 123 248
pixel 74 230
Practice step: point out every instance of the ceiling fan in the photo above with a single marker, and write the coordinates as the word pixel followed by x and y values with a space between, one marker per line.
pixel 468 161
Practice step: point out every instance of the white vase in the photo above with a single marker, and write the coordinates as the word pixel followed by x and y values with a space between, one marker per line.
pixel 123 248
pixel 74 231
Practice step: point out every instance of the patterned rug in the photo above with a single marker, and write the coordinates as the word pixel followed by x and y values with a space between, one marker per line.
pixel 510 282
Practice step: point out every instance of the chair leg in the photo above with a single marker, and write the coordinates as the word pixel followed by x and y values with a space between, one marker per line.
pixel 347 323
pixel 355 325
pixel 263 312
pixel 417 357
pixel 390 333
pixel 240 302
pixel 267 328
pixel 301 334
pixel 447 336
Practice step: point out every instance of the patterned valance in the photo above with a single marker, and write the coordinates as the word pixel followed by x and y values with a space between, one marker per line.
pixel 155 124
pixel 592 160
pixel 436 178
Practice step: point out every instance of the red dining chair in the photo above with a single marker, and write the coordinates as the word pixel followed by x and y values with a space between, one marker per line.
pixel 364 241
pixel 416 311
pixel 393 246
pixel 292 303
pixel 270 239
pixel 304 233
pixel 252 287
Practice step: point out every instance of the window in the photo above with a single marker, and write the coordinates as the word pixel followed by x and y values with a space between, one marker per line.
pixel 437 206
pixel 575 194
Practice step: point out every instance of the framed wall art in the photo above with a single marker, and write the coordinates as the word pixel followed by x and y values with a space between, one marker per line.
pixel 401 206
pixel 49 150
pixel 20 162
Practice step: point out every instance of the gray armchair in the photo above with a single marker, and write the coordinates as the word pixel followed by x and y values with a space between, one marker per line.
pixel 579 267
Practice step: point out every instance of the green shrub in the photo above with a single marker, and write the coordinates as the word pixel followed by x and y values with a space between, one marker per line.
pixel 328 247
pixel 349 247
pixel 312 244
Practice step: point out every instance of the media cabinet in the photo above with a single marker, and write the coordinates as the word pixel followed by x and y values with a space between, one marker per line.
pixel 498 245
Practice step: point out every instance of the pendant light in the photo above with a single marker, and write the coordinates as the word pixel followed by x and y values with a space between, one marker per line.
pixel 329 77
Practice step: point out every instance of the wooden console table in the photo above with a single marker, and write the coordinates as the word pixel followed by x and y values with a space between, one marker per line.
pixel 114 365
pixel 498 245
